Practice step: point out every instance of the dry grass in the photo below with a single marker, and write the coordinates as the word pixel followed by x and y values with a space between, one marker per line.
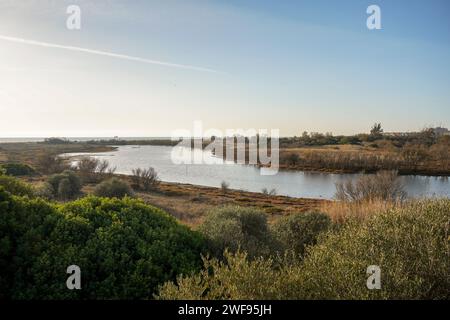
pixel 340 211
pixel 28 152
pixel 190 203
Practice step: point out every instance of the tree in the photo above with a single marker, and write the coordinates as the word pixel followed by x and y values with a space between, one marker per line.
pixel 376 132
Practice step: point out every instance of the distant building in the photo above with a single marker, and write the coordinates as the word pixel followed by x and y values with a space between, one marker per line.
pixel 439 131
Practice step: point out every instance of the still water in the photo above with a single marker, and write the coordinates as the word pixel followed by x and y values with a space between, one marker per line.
pixel 248 178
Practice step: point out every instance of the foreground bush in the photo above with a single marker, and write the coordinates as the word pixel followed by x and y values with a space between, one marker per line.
pixel 124 248
pixel 297 231
pixel 236 228
pixel 65 185
pixel 237 278
pixel 113 188
pixel 15 186
pixel 411 245
pixel 17 169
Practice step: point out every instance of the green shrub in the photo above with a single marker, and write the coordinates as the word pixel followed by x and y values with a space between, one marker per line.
pixel 65 185
pixel 236 278
pixel 45 191
pixel 235 227
pixel 15 186
pixel 65 189
pixel 17 169
pixel 297 231
pixel 113 188
pixel 124 248
pixel 410 245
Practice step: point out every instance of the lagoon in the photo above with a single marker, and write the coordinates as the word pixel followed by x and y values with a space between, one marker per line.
pixel 248 178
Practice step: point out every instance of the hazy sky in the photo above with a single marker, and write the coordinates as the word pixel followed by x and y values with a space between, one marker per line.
pixel 291 65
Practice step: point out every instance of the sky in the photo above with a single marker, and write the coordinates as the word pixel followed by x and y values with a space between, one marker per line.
pixel 148 68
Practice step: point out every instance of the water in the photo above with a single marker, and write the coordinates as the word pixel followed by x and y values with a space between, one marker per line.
pixel 79 139
pixel 248 178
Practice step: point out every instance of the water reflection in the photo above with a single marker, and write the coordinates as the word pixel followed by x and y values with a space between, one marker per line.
pixel 243 177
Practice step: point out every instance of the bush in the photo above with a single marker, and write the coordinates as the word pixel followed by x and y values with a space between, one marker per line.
pixel 113 188
pixel 410 245
pixel 292 159
pixel 272 192
pixel 49 163
pixel 384 185
pixel 297 231
pixel 234 227
pixel 17 169
pixel 124 248
pixel 235 278
pixel 145 179
pixel 224 186
pixel 93 170
pixel 86 168
pixel 66 185
pixel 45 191
pixel 15 186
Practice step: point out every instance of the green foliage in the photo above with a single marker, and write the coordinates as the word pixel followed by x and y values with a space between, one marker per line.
pixel 297 231
pixel 65 191
pixel 15 186
pixel 236 278
pixel 113 188
pixel 45 191
pixel 124 248
pixel 376 132
pixel 410 245
pixel 66 185
pixel 17 169
pixel 235 227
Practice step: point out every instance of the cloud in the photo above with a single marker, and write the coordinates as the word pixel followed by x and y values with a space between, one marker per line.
pixel 105 53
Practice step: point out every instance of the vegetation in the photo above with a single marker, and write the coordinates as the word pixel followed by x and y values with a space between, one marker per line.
pixel 49 163
pixel 16 186
pixel 297 231
pixel 275 248
pixel 125 249
pixel 224 186
pixel 145 179
pixel 236 228
pixel 17 169
pixel 113 188
pixel 272 192
pixel 65 186
pixel 93 170
pixel 410 245
pixel 384 185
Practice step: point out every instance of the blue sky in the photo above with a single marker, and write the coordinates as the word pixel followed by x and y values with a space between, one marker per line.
pixel 289 65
